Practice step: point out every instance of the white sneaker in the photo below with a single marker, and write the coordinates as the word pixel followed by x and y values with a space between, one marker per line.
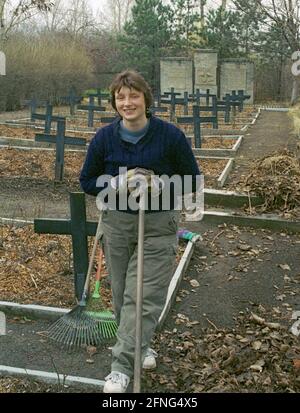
pixel 116 382
pixel 149 362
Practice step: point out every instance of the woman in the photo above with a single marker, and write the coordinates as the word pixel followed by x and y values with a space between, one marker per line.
pixel 136 139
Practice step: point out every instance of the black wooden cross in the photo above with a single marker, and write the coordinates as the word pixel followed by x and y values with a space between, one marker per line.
pixel 171 101
pixel 224 106
pixel 47 117
pixel 91 108
pixel 157 99
pixel 197 95
pixel 234 102
pixel 213 110
pixel 79 228
pixel 107 119
pixel 72 99
pixel 184 101
pixel 158 109
pixel 60 141
pixel 32 104
pixel 99 95
pixel 196 120
pixel 243 97
pixel 238 98
pixel 215 107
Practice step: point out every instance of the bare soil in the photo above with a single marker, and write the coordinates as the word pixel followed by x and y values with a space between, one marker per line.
pixel 228 330
pixel 218 332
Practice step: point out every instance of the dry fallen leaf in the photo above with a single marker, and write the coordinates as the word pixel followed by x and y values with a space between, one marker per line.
pixel 296 363
pixel 285 267
pixel 194 283
pixel 91 350
pixel 256 345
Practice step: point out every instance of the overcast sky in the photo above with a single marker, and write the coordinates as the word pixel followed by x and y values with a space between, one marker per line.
pixel 100 4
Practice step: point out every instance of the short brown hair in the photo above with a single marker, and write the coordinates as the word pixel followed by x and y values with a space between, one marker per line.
pixel 131 79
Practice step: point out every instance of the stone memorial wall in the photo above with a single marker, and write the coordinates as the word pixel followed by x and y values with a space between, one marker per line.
pixel 205 71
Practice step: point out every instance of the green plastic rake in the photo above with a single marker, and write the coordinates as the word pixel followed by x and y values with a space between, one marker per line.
pixel 84 326
pixel 96 309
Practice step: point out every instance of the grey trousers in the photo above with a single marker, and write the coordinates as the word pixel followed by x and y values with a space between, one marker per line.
pixel 120 234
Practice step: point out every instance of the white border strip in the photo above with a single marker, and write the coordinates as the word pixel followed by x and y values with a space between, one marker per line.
pixel 37 148
pixel 12 221
pixel 237 144
pixel 40 311
pixel 49 377
pixel 226 171
pixel 276 109
pixel 175 282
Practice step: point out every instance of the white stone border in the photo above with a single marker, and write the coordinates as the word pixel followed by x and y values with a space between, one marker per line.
pixel 220 152
pixel 275 109
pixel 226 171
pixel 38 148
pixel 48 377
pixel 237 144
pixel 15 221
pixel 176 280
pixel 224 174
pixel 41 128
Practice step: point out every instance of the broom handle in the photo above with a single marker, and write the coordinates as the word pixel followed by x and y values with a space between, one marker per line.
pixel 139 297
pixel 91 262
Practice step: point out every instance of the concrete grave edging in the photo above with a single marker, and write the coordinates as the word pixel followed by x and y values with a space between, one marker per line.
pixel 222 152
pixel 49 377
pixel 226 171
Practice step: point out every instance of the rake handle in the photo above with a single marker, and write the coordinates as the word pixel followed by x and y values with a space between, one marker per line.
pixel 84 296
pixel 139 297
pixel 99 267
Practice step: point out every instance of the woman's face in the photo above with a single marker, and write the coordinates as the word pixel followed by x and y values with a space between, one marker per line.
pixel 130 104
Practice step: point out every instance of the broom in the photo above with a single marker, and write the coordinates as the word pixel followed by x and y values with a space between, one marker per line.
pixel 78 328
pixel 96 308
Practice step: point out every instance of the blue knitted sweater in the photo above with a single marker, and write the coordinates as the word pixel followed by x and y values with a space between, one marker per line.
pixel 164 149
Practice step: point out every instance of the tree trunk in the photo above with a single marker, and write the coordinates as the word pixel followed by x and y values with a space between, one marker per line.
pixel 295 91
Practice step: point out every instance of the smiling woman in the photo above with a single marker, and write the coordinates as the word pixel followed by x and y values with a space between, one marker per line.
pixel 131 98
pixel 130 104
pixel 142 145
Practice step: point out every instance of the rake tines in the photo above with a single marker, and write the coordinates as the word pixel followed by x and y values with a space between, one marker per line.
pixel 76 328
pixel 106 323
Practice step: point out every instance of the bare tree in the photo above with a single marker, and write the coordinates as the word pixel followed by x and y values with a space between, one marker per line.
pixel 118 13
pixel 285 16
pixel 54 18
pixel 79 18
pixel 13 14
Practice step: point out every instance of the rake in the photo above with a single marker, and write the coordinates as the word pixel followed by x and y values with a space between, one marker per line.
pixel 96 308
pixel 78 327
